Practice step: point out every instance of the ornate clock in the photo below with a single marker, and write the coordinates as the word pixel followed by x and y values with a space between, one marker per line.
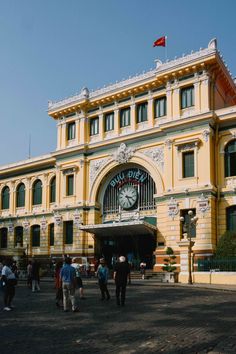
pixel 127 196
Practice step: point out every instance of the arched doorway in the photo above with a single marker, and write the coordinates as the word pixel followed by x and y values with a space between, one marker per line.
pixel 128 220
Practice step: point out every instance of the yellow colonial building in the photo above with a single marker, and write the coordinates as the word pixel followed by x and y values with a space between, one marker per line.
pixel 132 159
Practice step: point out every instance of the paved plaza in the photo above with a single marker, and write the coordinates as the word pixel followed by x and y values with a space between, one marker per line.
pixel 156 319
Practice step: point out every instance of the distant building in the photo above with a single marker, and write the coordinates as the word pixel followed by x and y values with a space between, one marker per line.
pixel 131 159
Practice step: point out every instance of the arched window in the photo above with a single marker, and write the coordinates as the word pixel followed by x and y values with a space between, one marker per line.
pixel 19 235
pixel 231 218
pixel 5 197
pixel 53 190
pixel 37 192
pixel 3 237
pixel 35 235
pixel 230 159
pixel 20 195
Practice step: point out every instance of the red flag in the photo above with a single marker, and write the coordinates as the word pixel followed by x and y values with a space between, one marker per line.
pixel 160 42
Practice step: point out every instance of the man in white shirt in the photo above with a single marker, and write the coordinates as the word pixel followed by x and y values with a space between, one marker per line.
pixel 9 282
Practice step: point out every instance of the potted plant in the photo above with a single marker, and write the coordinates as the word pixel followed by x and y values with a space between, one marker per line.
pixel 169 267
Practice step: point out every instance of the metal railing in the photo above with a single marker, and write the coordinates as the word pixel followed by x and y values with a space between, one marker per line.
pixel 217 264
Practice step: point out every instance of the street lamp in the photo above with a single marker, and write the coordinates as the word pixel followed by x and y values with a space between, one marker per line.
pixel 188 225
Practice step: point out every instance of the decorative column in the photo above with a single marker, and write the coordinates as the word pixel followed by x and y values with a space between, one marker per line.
pixel 176 100
pixel 44 191
pixel 83 128
pixel 101 126
pixel 132 116
pixel 169 163
pixel 116 121
pixel 185 248
pixel 197 93
pixel 59 135
pixel 150 111
pixel 169 112
pixel 77 131
pixel 205 92
pixel 63 134
pixel 58 234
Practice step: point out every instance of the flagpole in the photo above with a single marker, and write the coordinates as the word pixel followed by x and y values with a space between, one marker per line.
pixel 166 49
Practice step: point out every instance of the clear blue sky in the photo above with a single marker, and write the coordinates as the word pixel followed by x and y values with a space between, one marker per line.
pixel 50 49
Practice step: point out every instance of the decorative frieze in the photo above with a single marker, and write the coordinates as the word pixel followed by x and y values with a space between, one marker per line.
pixel 77 218
pixel 173 208
pixel 188 146
pixel 203 204
pixel 169 143
pixel 157 155
pixel 123 154
pixel 205 134
pixel 95 168
pixel 57 219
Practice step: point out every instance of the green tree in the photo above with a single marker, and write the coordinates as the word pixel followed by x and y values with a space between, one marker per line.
pixel 170 261
pixel 227 245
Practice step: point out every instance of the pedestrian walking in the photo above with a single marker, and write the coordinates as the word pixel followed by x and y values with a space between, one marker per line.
pixel 58 284
pixel 143 269
pixel 9 282
pixel 68 275
pixel 102 274
pixel 29 275
pixel 78 279
pixel 35 276
pixel 121 276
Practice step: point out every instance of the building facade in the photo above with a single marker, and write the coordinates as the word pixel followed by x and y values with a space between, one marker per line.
pixel 131 159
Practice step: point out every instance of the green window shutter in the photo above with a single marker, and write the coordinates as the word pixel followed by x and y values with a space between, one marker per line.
pixel 35 236
pixel 71 131
pixel 70 185
pixel 142 112
pixel 37 193
pixel 230 159
pixel 188 164
pixel 20 196
pixel 18 235
pixel 109 122
pixel 124 117
pixel 68 229
pixel 160 107
pixel 5 198
pixel 94 126
pixel 187 97
pixel 231 218
pixel 3 237
pixel 51 234
pixel 53 190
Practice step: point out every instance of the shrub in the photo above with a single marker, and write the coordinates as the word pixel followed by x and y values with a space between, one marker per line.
pixel 227 245
pixel 170 261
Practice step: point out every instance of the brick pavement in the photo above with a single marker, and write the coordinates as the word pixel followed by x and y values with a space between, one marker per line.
pixel 156 319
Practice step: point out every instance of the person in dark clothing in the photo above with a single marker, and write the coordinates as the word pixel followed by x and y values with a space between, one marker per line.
pixel 35 276
pixel 121 275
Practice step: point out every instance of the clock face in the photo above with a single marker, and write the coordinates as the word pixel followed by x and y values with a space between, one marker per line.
pixel 127 197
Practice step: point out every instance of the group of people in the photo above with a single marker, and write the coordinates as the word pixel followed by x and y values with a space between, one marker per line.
pixel 67 281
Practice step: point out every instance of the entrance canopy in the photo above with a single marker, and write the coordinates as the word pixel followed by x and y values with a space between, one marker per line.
pixel 116 229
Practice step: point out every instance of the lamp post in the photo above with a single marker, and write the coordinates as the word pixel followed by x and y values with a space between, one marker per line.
pixel 187 227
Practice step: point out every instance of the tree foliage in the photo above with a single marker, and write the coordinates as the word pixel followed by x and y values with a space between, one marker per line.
pixel 170 261
pixel 227 245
